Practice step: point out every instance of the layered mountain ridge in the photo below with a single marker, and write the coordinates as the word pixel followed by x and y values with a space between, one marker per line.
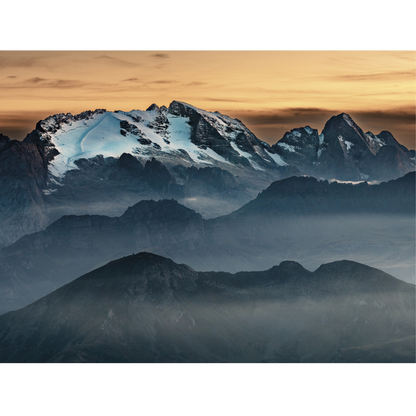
pixel 297 218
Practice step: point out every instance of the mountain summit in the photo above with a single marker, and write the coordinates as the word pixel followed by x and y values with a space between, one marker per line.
pixel 344 152
pixel 180 133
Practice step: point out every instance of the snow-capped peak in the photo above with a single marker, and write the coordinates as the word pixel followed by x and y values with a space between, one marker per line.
pixel 181 133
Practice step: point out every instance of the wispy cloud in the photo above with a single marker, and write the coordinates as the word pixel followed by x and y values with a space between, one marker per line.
pixel 160 55
pixel 379 76
pixel 295 116
pixel 38 82
pixel 229 100
pixel 116 61
pixel 17 125
pixel 10 62
pixel 286 116
pixel 35 80
pixel 402 115
pixel 130 80
pixel 163 81
pixel 195 84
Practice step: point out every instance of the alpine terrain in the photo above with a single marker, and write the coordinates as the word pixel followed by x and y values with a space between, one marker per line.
pixel 101 162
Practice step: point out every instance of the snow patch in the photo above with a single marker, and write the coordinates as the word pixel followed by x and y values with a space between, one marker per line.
pixel 308 130
pixel 375 139
pixel 48 191
pixel 348 144
pixel 296 133
pixel 287 147
pixel 348 119
pixel 320 147
pixel 277 158
pixel 246 155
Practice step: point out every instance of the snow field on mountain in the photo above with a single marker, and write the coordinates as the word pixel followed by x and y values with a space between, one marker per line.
pixel 101 135
pixel 246 155
pixel 277 158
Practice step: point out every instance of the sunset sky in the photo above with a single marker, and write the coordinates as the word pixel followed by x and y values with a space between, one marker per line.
pixel 270 91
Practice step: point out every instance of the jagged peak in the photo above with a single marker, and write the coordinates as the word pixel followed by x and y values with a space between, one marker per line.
pixel 52 123
pixel 153 107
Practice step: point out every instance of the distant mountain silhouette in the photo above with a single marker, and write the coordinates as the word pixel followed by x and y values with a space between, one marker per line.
pixel 298 218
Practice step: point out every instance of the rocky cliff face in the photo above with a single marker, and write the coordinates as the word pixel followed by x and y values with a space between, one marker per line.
pixel 344 152
pixel 23 175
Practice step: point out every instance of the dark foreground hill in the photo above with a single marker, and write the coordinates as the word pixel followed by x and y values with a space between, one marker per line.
pixel 146 308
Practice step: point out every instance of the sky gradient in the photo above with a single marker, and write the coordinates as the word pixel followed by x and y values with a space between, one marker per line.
pixel 270 91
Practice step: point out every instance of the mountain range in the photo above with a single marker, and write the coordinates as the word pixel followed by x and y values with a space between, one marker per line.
pixel 146 308
pixel 298 218
pixel 101 162
pixel 81 194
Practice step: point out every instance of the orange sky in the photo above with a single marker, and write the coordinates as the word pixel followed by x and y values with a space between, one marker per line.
pixel 271 92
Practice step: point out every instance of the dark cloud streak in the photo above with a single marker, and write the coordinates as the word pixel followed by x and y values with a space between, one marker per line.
pixel 117 61
pixel 160 55
pixel 226 100
pixel 162 81
pixel 388 76
pixel 19 63
pixel 37 82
